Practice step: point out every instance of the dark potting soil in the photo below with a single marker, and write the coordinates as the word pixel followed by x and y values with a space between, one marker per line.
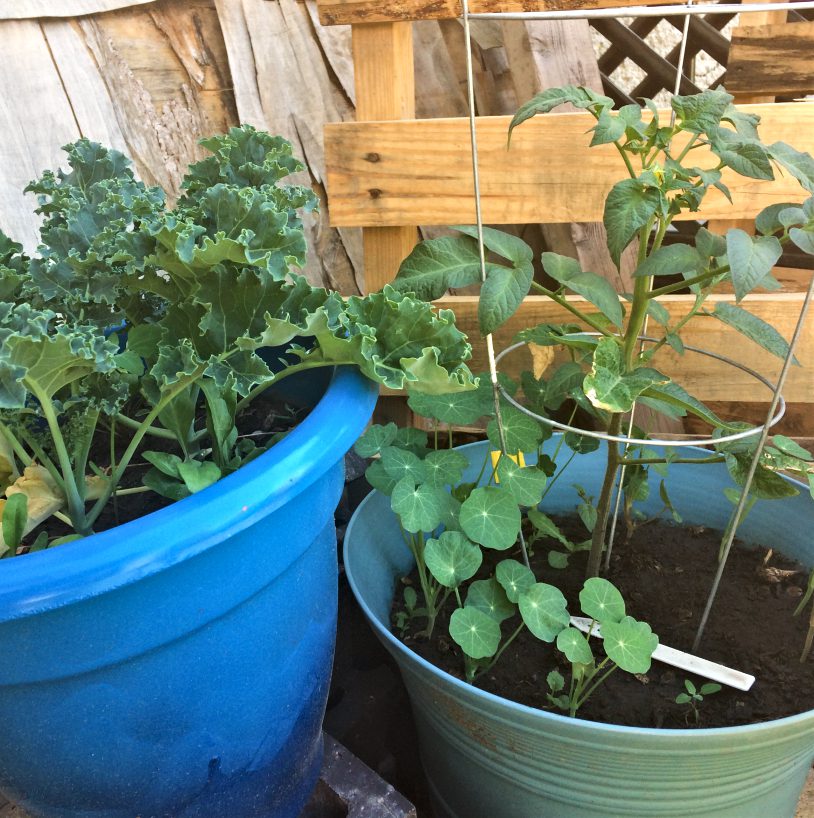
pixel 664 573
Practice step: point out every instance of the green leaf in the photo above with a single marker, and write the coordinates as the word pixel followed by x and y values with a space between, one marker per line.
pixel 456 408
pixel 514 578
pixel 592 287
pixel 501 295
pixel 630 644
pixel 791 447
pixel 452 558
pixel 379 479
pixel 800 165
pixel 581 444
pixel 376 438
pixel 402 463
pixel 544 611
pixel 487 596
pixel 575 646
pixel 477 634
pixel 490 516
pixel 577 96
pixel 436 265
pixel 746 157
pixel 674 259
pixel 15 517
pixel 767 221
pixel 754 328
pixel 544 526
pixel 555 681
pixel 602 601
pixel 709 245
pixel 701 113
pixel 803 237
pixel 419 507
pixel 445 467
pixel 522 433
pixel 608 128
pixel 198 475
pixel 524 484
pixel 557 560
pixel 709 688
pixel 165 485
pixel 565 379
pixel 674 395
pixel 510 247
pixel 751 259
pixel 629 206
pixel 166 462
pixel 609 387
pixel 766 485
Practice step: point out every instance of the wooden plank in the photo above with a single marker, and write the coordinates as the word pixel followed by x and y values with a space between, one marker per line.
pixel 32 9
pixel 335 12
pixel 385 89
pixel 400 173
pixel 37 121
pixel 707 379
pixel 772 59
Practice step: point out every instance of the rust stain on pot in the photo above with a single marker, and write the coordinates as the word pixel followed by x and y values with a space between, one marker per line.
pixel 462 717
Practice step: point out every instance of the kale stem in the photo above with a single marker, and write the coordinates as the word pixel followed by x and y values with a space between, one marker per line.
pixel 113 466
pixel 133 490
pixel 42 457
pixel 74 494
pixel 81 455
pixel 155 431
pixel 586 319
pixel 124 462
pixel 19 450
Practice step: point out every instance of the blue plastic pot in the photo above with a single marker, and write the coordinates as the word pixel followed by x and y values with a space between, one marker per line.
pixel 179 664
pixel 487 757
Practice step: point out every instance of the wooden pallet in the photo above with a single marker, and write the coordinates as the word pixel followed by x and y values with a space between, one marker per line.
pixel 393 172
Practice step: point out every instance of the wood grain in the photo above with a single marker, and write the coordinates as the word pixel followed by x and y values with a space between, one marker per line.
pixel 703 377
pixel 771 59
pixel 33 9
pixel 399 173
pixel 385 89
pixel 334 12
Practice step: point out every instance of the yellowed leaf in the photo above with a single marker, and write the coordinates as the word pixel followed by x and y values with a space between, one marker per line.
pixel 541 358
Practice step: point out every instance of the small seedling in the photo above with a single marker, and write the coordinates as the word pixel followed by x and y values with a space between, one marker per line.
pixel 693 697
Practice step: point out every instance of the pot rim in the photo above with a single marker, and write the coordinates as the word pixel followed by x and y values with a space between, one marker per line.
pixel 45 580
pixel 526 710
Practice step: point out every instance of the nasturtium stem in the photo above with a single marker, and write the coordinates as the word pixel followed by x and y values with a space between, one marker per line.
pixel 587 694
pixel 503 647
pixel 604 502
pixel 647 461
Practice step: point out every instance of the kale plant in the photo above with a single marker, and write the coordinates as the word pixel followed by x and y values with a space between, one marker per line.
pixel 140 318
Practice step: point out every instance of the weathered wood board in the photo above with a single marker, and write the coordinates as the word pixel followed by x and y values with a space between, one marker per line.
pixel 334 12
pixel 395 173
pixel 704 377
pixel 771 59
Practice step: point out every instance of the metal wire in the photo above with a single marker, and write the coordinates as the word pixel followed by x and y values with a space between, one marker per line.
pixel 678 10
pixel 473 138
pixel 738 515
pixel 777 412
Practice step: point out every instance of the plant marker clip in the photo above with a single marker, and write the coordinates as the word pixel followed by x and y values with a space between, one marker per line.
pixel 685 661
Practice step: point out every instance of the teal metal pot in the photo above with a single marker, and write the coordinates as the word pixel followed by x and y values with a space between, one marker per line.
pixel 487 757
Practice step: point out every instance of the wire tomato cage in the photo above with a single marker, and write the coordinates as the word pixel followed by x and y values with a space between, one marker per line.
pixel 777 404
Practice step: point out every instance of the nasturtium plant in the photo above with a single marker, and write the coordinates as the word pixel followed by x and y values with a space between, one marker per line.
pixel 139 320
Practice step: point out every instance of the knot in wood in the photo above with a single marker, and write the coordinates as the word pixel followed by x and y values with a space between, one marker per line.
pixel 374 193
pixel 372 157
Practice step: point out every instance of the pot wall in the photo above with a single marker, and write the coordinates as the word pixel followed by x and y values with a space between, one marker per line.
pixel 486 756
pixel 179 665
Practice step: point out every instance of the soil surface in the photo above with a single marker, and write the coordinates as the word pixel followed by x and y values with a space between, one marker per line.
pixel 664 573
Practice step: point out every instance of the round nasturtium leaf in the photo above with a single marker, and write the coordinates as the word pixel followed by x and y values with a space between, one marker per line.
pixel 419 507
pixel 544 610
pixel 525 485
pixel 476 633
pixel 445 467
pixel 489 598
pixel 400 463
pixel 491 517
pixel 514 578
pixel 376 438
pixel 521 432
pixel 452 558
pixel 630 644
pixel 601 601
pixel 575 646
